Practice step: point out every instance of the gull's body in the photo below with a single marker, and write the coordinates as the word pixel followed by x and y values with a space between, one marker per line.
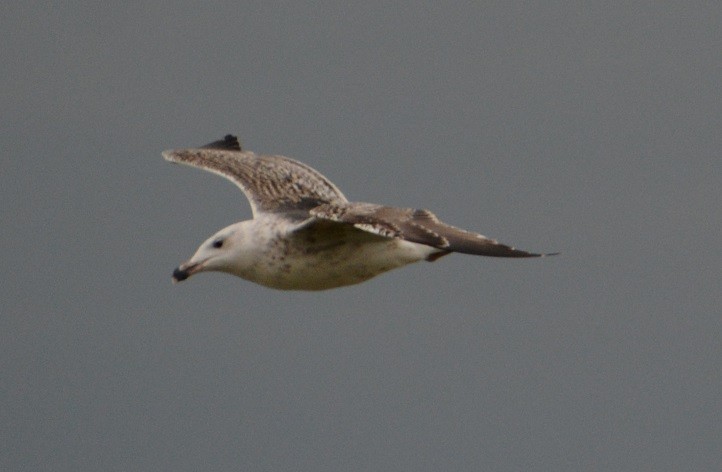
pixel 305 235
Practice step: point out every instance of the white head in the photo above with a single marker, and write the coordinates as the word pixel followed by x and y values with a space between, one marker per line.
pixel 229 250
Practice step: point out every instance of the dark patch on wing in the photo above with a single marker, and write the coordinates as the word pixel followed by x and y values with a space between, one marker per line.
pixel 298 209
pixel 229 143
pixel 316 235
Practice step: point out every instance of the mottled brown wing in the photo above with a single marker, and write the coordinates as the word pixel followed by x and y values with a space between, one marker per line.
pixel 419 226
pixel 272 184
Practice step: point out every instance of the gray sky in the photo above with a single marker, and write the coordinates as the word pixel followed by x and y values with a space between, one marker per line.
pixel 554 126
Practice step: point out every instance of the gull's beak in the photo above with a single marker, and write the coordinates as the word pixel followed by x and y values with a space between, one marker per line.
pixel 185 270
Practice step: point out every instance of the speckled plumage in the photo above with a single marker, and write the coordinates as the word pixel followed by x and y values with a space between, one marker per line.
pixel 306 235
pixel 272 184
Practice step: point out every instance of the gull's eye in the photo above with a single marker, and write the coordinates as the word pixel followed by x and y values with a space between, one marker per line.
pixel 218 243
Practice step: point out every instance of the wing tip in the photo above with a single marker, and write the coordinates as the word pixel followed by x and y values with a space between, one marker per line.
pixel 228 143
pixel 543 254
pixel 502 250
pixel 169 155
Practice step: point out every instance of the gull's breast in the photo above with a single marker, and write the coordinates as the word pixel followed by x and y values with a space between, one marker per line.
pixel 330 264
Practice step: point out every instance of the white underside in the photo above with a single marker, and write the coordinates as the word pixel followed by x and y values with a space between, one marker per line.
pixel 358 257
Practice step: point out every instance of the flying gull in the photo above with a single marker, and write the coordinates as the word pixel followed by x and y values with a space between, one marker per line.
pixel 305 235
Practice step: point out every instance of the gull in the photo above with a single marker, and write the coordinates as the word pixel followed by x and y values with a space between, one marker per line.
pixel 305 234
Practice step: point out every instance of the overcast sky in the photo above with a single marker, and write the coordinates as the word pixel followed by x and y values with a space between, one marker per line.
pixel 590 128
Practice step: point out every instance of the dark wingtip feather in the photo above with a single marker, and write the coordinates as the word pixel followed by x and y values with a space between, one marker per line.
pixel 228 143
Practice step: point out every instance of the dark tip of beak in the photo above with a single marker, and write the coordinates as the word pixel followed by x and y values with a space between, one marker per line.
pixel 180 275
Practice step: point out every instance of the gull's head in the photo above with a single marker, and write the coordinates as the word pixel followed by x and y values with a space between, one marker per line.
pixel 226 251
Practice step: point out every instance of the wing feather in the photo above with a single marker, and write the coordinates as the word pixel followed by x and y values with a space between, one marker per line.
pixel 419 226
pixel 272 184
